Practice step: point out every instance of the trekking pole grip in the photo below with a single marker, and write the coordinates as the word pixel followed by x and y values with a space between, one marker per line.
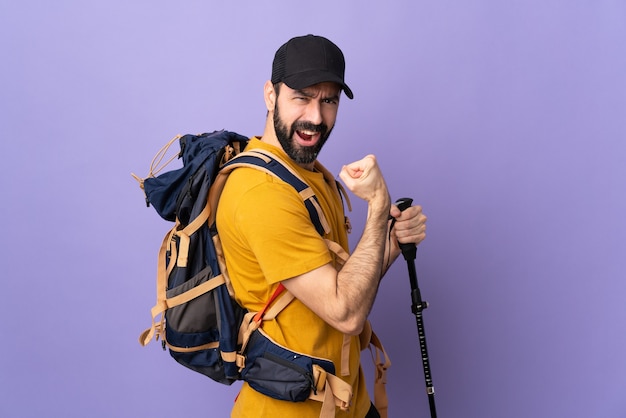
pixel 409 252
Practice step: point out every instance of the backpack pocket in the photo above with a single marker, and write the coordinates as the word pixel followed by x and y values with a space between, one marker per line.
pixel 280 378
pixel 279 372
pixel 196 335
pixel 196 316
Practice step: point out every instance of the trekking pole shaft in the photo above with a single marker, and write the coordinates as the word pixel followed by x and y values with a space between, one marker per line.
pixel 430 389
pixel 418 305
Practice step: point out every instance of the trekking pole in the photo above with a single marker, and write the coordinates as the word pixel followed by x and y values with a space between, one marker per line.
pixel 418 305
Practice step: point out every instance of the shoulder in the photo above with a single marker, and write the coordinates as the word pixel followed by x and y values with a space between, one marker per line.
pixel 246 183
pixel 251 195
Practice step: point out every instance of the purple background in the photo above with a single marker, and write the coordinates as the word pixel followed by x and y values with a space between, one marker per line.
pixel 505 120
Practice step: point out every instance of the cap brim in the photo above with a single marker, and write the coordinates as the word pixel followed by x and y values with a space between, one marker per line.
pixel 306 79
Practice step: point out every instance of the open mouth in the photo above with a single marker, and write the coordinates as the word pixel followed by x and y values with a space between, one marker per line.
pixel 307 138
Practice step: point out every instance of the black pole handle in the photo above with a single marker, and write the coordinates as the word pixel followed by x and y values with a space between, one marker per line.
pixel 404 203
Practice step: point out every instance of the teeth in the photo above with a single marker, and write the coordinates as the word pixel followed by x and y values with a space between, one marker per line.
pixel 308 132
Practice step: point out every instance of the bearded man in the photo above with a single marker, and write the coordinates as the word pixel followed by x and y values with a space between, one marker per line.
pixel 268 237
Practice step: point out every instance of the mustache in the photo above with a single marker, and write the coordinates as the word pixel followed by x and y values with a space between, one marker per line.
pixel 308 126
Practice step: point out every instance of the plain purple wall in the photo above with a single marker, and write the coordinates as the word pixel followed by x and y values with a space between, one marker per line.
pixel 505 120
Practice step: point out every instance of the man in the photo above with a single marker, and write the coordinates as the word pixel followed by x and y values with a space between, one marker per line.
pixel 268 237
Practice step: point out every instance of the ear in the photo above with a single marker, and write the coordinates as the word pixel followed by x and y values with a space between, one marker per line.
pixel 269 94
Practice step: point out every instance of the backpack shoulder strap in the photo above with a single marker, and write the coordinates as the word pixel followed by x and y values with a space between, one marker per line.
pixel 271 164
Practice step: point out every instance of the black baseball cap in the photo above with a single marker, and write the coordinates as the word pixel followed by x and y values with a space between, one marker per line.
pixel 307 60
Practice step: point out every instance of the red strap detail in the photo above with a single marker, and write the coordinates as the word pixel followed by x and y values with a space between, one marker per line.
pixel 259 316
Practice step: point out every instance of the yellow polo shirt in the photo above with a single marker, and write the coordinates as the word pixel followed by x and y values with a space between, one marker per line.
pixel 267 237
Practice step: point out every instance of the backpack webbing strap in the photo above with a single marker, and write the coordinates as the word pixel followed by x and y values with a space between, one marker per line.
pixel 268 313
pixel 380 391
pixel 186 232
pixel 331 391
pixel 161 305
pixel 341 254
pixel 341 191
pixel 370 340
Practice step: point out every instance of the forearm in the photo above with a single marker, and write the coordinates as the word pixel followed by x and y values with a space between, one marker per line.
pixel 357 282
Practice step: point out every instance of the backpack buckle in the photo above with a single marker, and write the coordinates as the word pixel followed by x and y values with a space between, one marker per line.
pixel 319 378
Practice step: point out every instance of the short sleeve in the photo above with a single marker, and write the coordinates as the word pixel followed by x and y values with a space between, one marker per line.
pixel 274 223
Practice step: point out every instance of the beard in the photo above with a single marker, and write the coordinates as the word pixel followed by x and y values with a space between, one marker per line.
pixel 298 153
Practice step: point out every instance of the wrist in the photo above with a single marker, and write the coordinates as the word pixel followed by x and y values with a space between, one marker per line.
pixel 379 206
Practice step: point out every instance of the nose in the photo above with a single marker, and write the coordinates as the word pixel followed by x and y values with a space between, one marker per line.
pixel 314 112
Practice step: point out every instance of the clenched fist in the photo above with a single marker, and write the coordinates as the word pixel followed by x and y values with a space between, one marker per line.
pixel 365 180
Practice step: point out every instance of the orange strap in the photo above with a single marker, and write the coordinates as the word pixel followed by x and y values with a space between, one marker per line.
pixel 259 316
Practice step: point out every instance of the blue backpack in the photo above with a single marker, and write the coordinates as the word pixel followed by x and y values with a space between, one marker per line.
pixel 195 315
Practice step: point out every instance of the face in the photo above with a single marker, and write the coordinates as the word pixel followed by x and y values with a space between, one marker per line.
pixel 304 119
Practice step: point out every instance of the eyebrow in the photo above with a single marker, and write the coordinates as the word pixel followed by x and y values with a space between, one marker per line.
pixel 307 94
pixel 304 93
